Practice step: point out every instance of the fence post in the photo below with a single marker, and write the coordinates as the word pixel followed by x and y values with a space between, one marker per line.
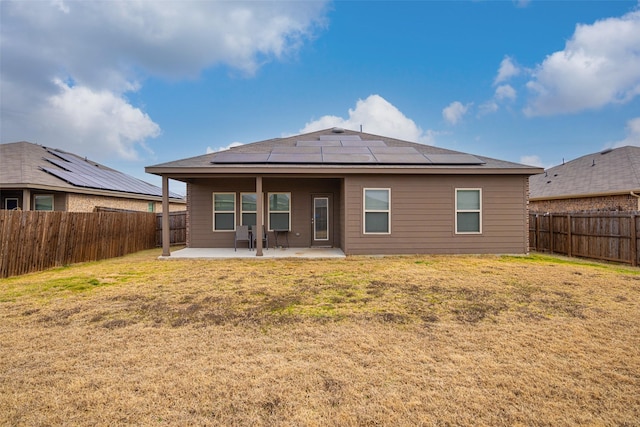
pixel 634 241
pixel 569 239
pixel 551 233
pixel 537 232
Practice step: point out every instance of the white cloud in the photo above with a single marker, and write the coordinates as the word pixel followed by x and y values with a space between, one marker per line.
pixel 599 65
pixel 215 150
pixel 633 135
pixel 531 160
pixel 508 69
pixel 455 111
pixel 488 108
pixel 93 122
pixel 104 51
pixel 377 116
pixel 505 92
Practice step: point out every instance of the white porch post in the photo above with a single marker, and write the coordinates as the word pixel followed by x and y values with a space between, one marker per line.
pixel 26 199
pixel 166 236
pixel 259 216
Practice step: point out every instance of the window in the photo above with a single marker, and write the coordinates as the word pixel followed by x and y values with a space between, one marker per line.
pixel 151 207
pixel 248 208
pixel 224 211
pixel 377 211
pixel 279 211
pixel 10 203
pixel 43 202
pixel 468 211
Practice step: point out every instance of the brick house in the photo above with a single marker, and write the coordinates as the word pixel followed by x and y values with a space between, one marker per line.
pixel 603 181
pixel 34 177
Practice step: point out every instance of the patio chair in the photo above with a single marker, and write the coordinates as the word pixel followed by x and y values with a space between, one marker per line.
pixel 242 235
pixel 265 237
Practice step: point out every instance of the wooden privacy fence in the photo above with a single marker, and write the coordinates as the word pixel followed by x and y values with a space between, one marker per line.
pixel 36 240
pixel 608 236
pixel 177 228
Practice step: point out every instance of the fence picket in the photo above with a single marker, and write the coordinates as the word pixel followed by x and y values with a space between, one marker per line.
pixel 33 241
pixel 609 236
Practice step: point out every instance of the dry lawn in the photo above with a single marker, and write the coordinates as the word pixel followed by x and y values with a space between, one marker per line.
pixel 429 340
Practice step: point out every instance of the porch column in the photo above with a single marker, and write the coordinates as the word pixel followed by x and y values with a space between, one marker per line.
pixel 26 199
pixel 166 236
pixel 259 215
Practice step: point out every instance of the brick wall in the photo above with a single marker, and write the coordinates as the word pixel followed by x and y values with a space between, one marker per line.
pixel 625 202
pixel 87 203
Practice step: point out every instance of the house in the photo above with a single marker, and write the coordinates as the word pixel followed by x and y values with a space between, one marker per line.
pixel 363 193
pixel 608 180
pixel 34 177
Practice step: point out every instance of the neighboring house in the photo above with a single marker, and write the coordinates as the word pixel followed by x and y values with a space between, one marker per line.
pixel 363 193
pixel 33 177
pixel 608 180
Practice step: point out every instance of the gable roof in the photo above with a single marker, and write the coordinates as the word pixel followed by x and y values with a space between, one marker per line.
pixel 28 165
pixel 338 150
pixel 615 171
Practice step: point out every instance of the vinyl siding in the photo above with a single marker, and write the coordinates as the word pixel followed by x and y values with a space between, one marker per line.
pixel 423 215
pixel 201 233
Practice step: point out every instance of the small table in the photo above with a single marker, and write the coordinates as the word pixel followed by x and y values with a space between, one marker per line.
pixel 276 233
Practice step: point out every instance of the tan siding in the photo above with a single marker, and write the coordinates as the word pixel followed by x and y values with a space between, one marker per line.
pixel 301 189
pixel 423 215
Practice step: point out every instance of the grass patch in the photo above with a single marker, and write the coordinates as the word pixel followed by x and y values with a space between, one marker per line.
pixel 452 340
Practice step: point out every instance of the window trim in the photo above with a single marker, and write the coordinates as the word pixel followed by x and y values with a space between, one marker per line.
pixel 365 211
pixel 242 211
pixel 53 202
pixel 6 202
pixel 479 211
pixel 213 207
pixel 269 208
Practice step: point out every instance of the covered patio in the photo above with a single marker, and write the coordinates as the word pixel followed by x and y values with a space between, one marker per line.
pixel 229 253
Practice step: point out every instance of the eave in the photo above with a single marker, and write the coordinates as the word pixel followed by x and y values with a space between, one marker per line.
pixel 179 173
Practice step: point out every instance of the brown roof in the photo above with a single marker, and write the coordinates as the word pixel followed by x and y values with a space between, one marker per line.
pixel 614 171
pixel 27 165
pixel 338 150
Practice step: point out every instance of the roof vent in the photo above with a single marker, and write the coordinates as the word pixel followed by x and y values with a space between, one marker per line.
pixel 337 130
pixel 608 150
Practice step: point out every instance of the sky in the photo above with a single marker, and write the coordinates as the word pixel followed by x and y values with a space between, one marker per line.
pixel 139 82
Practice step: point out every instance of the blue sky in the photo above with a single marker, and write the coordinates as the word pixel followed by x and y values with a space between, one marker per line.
pixel 136 83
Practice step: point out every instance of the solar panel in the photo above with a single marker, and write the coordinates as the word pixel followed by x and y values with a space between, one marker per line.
pixel 349 159
pixel 296 150
pixel 454 159
pixel 348 151
pixel 345 150
pixel 318 144
pixel 82 173
pixel 358 143
pixel 402 159
pixel 393 150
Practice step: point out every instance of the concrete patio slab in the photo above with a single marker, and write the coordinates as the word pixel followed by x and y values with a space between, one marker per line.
pixel 222 253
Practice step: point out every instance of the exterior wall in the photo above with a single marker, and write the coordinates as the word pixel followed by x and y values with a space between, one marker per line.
pixel 200 199
pixel 73 202
pixel 622 202
pixel 88 202
pixel 423 215
pixel 59 199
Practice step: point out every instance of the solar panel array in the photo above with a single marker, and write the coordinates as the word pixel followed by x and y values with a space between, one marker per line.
pixel 348 150
pixel 82 173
